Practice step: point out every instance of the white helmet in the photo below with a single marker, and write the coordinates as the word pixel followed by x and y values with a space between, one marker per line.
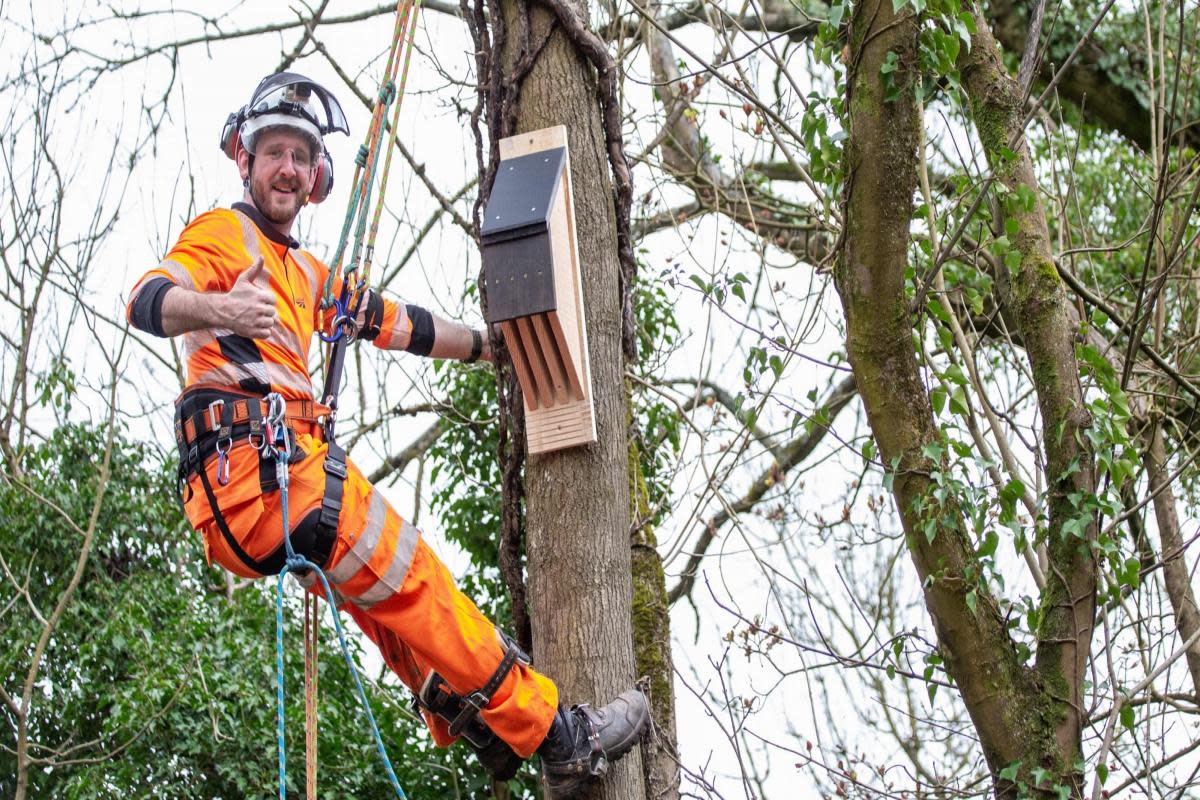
pixel 284 99
pixel 289 100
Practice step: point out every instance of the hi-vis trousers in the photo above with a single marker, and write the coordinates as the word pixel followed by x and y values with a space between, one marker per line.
pixel 390 582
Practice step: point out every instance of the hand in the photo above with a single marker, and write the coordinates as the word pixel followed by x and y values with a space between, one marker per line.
pixel 249 307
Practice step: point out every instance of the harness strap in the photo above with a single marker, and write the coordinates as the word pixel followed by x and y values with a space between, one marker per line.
pixel 331 503
pixel 240 411
pixel 223 420
pixel 478 700
pixel 461 712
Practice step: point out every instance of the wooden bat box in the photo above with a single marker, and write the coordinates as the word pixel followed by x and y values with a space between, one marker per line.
pixel 531 273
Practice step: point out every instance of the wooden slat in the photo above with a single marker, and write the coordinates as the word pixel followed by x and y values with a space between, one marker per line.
pixel 537 361
pixel 512 338
pixel 558 358
pixel 564 352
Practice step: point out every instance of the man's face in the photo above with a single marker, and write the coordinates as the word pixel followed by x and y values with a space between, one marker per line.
pixel 282 176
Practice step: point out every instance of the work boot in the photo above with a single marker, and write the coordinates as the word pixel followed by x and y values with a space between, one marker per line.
pixel 583 741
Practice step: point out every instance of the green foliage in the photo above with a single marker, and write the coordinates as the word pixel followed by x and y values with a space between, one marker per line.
pixel 165 686
pixel 465 474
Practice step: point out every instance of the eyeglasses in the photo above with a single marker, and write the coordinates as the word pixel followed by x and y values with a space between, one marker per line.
pixel 275 155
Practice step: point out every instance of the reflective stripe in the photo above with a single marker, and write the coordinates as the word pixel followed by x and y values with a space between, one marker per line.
pixel 193 341
pixel 393 579
pixel 265 372
pixel 249 235
pixel 349 564
pixel 286 339
pixel 310 268
pixel 179 273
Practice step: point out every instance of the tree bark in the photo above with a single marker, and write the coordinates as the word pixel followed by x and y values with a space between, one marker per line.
pixel 577 512
pixel 652 639
pixel 1012 717
pixel 1047 324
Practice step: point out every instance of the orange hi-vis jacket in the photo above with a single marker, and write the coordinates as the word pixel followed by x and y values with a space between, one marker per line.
pixel 380 568
pixel 211 252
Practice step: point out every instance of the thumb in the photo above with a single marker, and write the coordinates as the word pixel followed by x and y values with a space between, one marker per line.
pixel 254 272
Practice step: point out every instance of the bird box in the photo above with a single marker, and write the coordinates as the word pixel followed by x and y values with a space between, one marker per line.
pixel 534 292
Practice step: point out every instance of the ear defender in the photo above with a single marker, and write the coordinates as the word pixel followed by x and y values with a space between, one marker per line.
pixel 323 182
pixel 230 134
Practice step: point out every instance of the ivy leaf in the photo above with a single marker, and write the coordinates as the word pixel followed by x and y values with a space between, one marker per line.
pixel 958 402
pixel 835 15
pixel 1127 717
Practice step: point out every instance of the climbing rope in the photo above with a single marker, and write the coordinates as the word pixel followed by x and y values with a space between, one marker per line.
pixel 341 329
pixel 353 284
pixel 279 446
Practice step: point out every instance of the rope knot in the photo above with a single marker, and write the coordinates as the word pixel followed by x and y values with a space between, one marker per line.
pixel 387 92
pixel 361 158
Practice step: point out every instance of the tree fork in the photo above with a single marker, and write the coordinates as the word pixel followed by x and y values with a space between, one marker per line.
pixel 881 176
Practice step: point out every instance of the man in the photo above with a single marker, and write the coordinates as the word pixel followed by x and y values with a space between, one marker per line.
pixel 246 300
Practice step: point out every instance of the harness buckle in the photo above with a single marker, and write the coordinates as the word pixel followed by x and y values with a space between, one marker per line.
pixel 335 467
pixel 214 421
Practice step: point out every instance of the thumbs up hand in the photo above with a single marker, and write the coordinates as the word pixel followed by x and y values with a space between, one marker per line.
pixel 250 304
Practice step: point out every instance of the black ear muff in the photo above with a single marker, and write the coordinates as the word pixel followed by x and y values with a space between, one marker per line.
pixel 230 134
pixel 323 182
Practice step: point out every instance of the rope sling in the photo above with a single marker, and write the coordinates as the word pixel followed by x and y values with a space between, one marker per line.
pixel 341 332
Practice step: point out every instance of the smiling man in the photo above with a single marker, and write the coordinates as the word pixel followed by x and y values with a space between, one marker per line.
pixel 246 299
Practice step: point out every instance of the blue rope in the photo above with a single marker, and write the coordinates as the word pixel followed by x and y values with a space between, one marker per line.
pixel 298 563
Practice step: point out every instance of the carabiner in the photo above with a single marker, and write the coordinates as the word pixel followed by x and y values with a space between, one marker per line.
pixel 223 448
pixel 276 421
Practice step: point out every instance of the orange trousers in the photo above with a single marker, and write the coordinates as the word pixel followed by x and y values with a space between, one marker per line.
pixel 387 578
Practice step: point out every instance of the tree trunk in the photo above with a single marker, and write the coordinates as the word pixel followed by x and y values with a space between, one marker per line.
pixel 577 500
pixel 652 638
pixel 1047 324
pixel 1013 718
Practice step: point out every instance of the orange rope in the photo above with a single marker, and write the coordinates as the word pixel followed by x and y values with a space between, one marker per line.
pixel 312 621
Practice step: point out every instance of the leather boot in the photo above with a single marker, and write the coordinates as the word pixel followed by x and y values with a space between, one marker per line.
pixel 583 741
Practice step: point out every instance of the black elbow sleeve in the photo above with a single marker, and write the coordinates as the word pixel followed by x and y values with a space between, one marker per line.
pixel 146 312
pixel 421 342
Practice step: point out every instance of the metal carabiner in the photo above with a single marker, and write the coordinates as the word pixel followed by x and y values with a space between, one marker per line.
pixel 277 426
pixel 223 448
